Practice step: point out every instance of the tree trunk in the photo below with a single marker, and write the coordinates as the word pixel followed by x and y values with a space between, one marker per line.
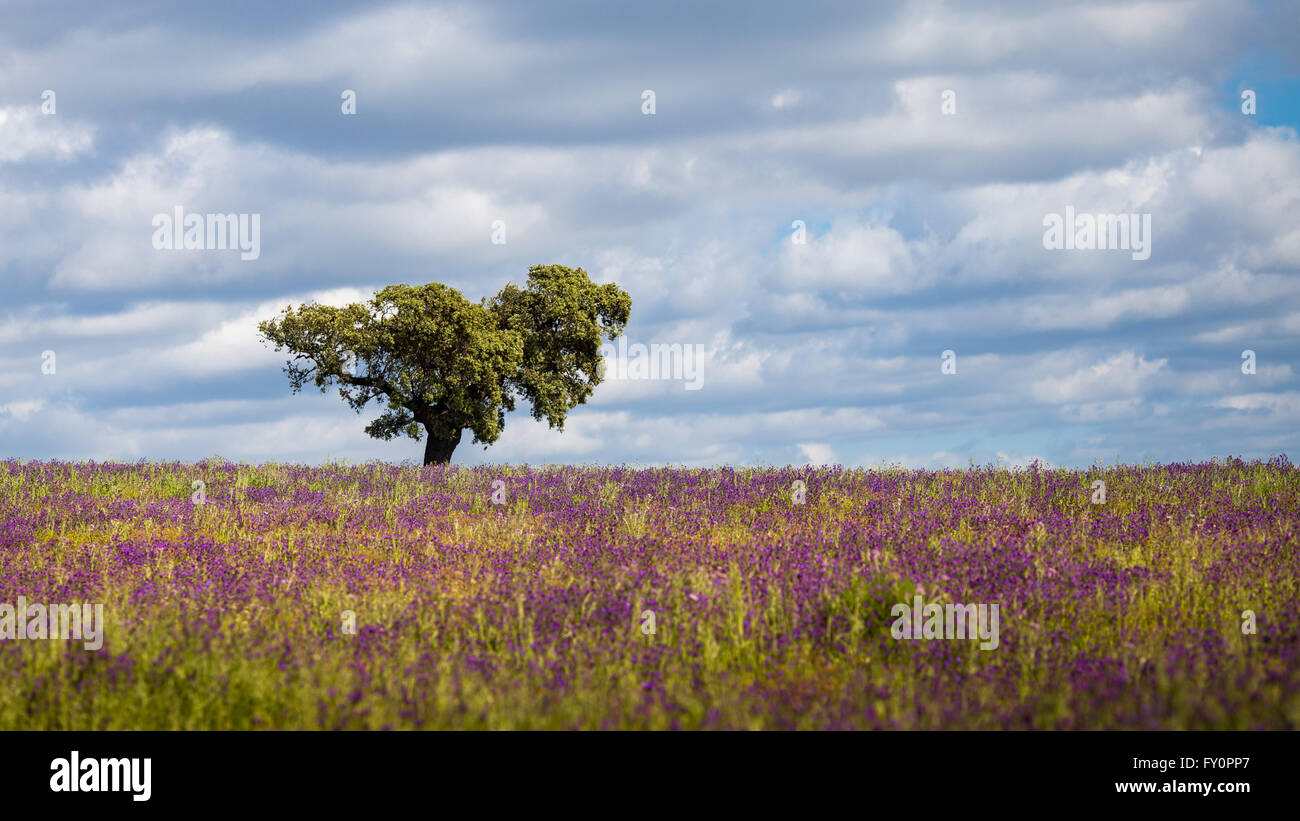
pixel 438 451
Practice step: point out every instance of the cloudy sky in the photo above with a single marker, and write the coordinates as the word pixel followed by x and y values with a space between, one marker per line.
pixel 921 146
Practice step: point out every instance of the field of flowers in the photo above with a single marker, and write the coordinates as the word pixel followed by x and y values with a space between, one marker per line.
pixel 515 597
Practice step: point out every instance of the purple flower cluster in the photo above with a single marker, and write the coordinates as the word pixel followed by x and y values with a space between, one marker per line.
pixel 384 596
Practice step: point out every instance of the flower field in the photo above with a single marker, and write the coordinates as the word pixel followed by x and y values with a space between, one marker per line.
pixel 517 598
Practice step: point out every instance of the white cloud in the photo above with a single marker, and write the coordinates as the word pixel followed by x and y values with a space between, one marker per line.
pixel 818 453
pixel 924 229
pixel 1287 404
pixel 1122 375
pixel 28 135
pixel 868 257
pixel 786 99
pixel 21 410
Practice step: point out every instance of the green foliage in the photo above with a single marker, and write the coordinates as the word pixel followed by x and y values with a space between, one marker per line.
pixel 444 364
pixel 560 317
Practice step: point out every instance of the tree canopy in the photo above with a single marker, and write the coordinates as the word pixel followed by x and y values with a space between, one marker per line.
pixel 445 364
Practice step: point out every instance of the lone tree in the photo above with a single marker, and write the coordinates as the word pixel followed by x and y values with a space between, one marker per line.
pixel 445 364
